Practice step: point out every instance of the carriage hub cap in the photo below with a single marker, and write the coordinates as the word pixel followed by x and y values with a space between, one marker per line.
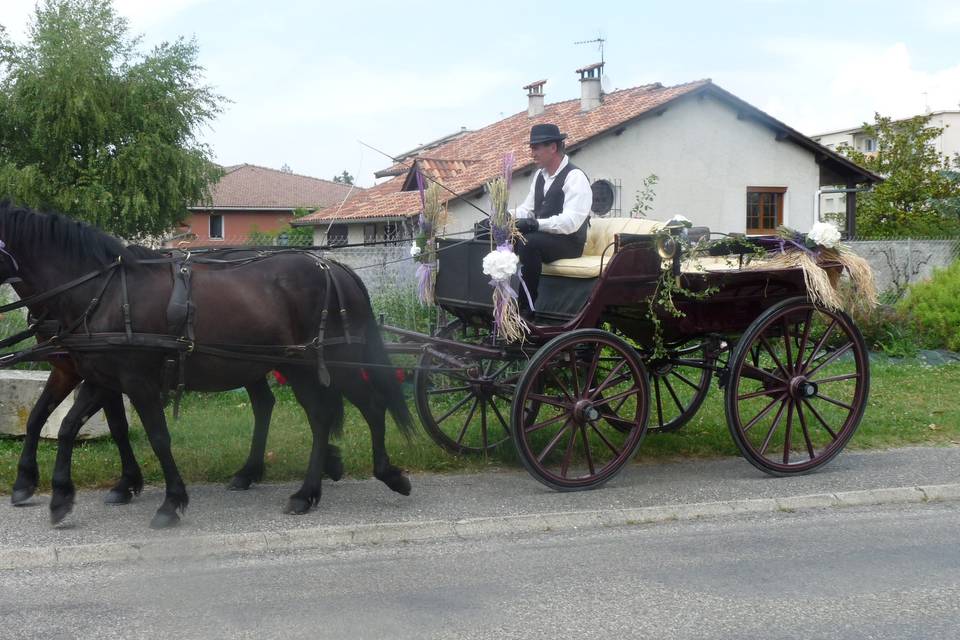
pixel 803 388
pixel 584 411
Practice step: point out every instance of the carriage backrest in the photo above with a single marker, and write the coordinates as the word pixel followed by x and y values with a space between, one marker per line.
pixel 603 231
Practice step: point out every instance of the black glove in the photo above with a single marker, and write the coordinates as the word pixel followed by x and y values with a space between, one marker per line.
pixel 526 225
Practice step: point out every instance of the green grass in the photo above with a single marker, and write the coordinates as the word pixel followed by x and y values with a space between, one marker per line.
pixel 909 405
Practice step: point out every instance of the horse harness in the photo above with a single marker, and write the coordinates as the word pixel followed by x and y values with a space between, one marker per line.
pixel 180 340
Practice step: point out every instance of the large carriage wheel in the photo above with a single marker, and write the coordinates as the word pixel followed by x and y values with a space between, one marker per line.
pixel 466 411
pixel 680 382
pixel 580 409
pixel 797 389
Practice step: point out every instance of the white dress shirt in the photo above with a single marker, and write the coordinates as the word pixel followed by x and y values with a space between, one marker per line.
pixel 577 199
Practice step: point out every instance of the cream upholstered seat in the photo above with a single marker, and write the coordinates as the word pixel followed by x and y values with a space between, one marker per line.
pixel 600 235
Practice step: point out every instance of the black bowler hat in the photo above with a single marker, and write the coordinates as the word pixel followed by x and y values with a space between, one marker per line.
pixel 541 133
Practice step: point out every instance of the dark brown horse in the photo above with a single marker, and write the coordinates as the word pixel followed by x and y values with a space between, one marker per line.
pixel 305 310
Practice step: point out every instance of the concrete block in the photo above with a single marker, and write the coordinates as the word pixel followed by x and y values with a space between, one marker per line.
pixel 20 390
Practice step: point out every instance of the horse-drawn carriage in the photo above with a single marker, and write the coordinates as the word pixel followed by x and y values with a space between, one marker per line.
pixel 621 345
pixel 617 350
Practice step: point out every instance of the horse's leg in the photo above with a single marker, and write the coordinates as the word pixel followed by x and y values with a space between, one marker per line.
pixel 148 405
pixel 374 411
pixel 58 386
pixel 262 401
pixel 89 400
pixel 131 478
pixel 324 409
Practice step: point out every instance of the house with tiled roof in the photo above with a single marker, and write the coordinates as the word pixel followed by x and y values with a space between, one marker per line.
pixel 250 198
pixel 720 162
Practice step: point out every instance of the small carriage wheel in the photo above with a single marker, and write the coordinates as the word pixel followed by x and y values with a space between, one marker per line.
pixel 680 382
pixel 798 386
pixel 580 409
pixel 466 412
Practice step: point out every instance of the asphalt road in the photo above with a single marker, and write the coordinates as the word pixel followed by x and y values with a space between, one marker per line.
pixel 868 572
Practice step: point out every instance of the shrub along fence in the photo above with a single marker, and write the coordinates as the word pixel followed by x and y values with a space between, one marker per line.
pixel 899 262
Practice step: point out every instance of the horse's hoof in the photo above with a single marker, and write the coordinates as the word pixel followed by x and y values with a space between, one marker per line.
pixel 400 484
pixel 164 520
pixel 118 496
pixel 59 512
pixel 21 497
pixel 297 506
pixel 239 483
pixel 333 467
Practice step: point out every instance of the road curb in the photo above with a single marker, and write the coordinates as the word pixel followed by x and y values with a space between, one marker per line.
pixel 334 537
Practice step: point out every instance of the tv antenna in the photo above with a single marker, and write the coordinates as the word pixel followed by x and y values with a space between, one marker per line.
pixel 599 40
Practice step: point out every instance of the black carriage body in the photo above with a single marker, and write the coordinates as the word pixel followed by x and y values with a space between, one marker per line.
pixel 619 297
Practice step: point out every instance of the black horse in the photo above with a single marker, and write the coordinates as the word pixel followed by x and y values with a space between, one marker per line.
pixel 64 379
pixel 317 310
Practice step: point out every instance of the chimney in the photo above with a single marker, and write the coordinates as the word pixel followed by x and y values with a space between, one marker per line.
pixel 535 97
pixel 591 95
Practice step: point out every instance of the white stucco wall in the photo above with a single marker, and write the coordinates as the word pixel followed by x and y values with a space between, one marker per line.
pixel 704 157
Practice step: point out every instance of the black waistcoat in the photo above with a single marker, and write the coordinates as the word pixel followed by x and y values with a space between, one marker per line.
pixel 551 203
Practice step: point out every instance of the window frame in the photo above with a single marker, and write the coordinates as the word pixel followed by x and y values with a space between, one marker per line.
pixel 223 227
pixel 778 201
pixel 342 238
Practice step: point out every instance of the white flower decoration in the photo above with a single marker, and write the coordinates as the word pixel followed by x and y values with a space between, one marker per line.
pixel 414 251
pixel 500 264
pixel 825 234
pixel 679 219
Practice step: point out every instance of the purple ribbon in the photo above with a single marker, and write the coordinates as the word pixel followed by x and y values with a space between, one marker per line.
pixel 424 273
pixel 420 188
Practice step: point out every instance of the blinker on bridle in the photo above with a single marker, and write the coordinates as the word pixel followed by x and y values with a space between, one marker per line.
pixel 16 266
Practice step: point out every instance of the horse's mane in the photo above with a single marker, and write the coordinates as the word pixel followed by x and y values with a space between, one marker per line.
pixel 22 229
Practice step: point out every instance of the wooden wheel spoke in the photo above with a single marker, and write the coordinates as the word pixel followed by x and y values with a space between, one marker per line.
pixel 847 376
pixel 496 411
pixel 568 452
pixel 786 345
pixel 820 419
pixel 806 432
pixel 603 385
pixel 673 394
pixel 574 372
pixel 656 393
pixel 763 392
pixel 433 392
pixel 554 441
pixel 539 397
pixel 763 413
pixel 454 409
pixel 786 437
pixel 688 382
pixel 756 373
pixel 466 423
pixel 545 423
pixel 833 356
pixel 586 449
pixel 483 425
pixel 766 345
pixel 802 347
pixel 553 374
pixel 833 401
pixel 773 427
pixel 819 345
pixel 620 396
pixel 604 439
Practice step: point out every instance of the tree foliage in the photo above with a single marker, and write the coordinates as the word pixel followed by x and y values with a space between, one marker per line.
pixel 91 127
pixel 920 194
pixel 344 178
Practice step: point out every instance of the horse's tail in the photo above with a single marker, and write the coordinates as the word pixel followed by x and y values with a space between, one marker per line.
pixel 383 374
pixel 385 379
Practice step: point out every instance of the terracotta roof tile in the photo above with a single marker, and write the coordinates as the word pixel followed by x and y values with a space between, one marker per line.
pixel 467 162
pixel 250 186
